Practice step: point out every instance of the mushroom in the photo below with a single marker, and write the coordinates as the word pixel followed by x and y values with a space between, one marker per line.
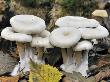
pixel 89 29
pixel 90 33
pixel 65 38
pixel 22 26
pixel 76 22
pixel 20 39
pixel 41 41
pixel 27 24
pixel 82 64
pixel 94 33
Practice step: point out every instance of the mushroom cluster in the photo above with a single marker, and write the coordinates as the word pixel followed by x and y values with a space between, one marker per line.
pixel 74 36
pixel 28 31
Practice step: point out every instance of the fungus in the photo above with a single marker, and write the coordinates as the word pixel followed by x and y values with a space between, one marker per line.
pixel 90 34
pixel 65 38
pixel 22 26
pixel 20 39
pixel 90 29
pixel 41 41
pixel 83 63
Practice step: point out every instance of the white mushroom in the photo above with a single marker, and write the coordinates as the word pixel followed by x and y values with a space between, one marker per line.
pixel 83 63
pixel 41 41
pixel 20 39
pixel 65 38
pixel 69 21
pixel 27 24
pixel 94 33
pixel 76 22
pixel 100 13
pixel 83 45
pixel 24 24
pixel 9 34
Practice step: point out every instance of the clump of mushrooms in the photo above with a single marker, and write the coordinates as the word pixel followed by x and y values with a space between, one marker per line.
pixel 73 37
pixel 65 38
pixel 88 29
pixel 23 27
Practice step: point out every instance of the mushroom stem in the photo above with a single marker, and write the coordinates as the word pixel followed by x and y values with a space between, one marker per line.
pixel 64 55
pixel 39 59
pixel 84 65
pixel 68 63
pixel 40 53
pixel 25 54
pixel 77 56
pixel 70 54
pixel 21 50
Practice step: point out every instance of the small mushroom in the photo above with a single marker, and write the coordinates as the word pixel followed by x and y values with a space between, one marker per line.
pixel 41 41
pixel 65 38
pixel 83 61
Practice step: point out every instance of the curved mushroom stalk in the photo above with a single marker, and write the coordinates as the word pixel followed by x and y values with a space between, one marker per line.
pixel 25 54
pixel 83 67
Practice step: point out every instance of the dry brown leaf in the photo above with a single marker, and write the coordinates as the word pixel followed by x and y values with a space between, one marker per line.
pixel 102 74
pixel 9 79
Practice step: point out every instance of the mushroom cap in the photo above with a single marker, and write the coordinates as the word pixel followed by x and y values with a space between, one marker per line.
pixel 90 23
pixel 65 37
pixel 44 33
pixel 41 40
pixel 76 22
pixel 9 34
pixel 100 13
pixel 94 33
pixel 83 45
pixel 27 24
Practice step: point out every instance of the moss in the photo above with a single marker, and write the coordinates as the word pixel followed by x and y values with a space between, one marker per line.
pixel 44 73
